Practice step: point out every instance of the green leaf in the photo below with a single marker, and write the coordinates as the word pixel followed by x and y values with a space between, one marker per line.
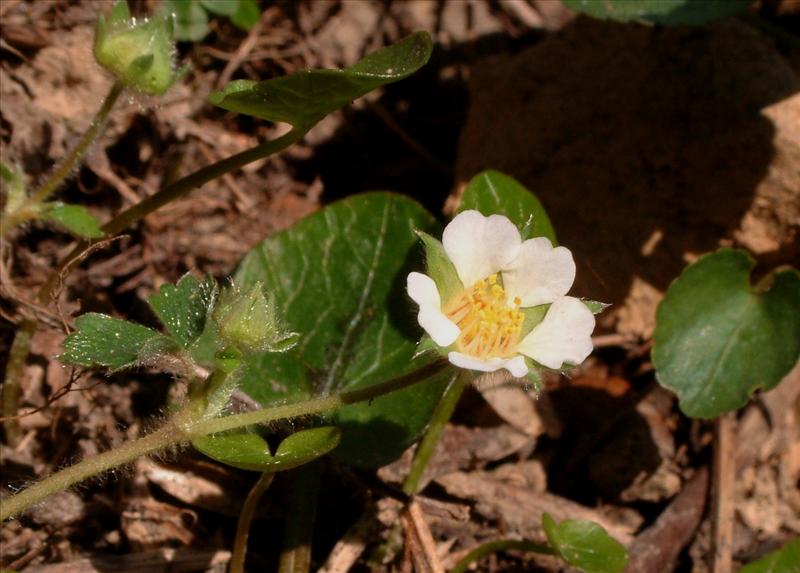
pixel 73 218
pixel 304 98
pixel 493 192
pixel 221 7
pixel 102 340
pixel 191 21
pixel 784 560
pixel 247 15
pixel 338 278
pixel 666 12
pixel 586 545
pixel 248 451
pixel 718 340
pixel 183 309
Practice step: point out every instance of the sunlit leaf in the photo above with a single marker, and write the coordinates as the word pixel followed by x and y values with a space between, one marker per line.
pixel 304 98
pixel 666 12
pixel 586 545
pixel 338 278
pixel 102 340
pixel 183 308
pixel 73 218
pixel 221 7
pixel 247 15
pixel 248 451
pixel 492 192
pixel 784 560
pixel 718 339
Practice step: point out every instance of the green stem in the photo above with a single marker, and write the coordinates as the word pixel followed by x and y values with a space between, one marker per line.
pixel 28 209
pixel 245 519
pixel 17 356
pixel 500 545
pixel 130 216
pixel 184 427
pixel 441 415
pixel 296 553
pixel 175 190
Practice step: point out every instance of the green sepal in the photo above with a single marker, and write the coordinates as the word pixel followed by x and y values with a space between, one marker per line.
pixel 426 345
pixel 440 268
pixel 248 451
pixel 534 374
pixel 534 315
pixel 595 306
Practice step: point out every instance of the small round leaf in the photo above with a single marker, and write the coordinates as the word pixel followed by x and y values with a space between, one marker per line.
pixel 718 339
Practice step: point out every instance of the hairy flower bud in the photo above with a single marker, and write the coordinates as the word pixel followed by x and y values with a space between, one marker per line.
pixel 247 320
pixel 139 54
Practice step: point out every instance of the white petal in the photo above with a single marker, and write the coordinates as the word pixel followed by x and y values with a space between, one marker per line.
pixel 540 273
pixel 565 334
pixel 423 291
pixel 516 366
pixel 480 246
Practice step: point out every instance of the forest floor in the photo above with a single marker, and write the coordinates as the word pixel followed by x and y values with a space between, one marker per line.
pixel 648 147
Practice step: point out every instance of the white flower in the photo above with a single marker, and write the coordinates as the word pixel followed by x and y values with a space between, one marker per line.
pixel 489 318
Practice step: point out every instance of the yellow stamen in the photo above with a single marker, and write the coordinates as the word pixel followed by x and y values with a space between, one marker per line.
pixel 489 326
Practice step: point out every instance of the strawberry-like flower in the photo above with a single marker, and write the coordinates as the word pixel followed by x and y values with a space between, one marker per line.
pixel 491 300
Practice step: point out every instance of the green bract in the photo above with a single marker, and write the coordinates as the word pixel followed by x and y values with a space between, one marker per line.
pixel 139 54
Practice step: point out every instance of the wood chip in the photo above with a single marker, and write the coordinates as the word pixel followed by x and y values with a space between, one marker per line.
pixel 520 510
pixel 657 547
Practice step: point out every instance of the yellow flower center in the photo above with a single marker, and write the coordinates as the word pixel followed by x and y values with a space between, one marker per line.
pixel 489 326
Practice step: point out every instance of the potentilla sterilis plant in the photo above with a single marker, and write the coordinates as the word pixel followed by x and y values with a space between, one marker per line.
pixel 491 300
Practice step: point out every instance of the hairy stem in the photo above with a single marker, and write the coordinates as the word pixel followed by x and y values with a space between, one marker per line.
pixel 441 415
pixel 188 425
pixel 490 547
pixel 28 209
pixel 169 434
pixel 123 220
pixel 245 519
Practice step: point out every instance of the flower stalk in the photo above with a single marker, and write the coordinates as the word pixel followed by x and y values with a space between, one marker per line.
pixel 441 415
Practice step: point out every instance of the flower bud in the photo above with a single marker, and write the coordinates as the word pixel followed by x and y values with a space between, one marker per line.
pixel 139 54
pixel 247 320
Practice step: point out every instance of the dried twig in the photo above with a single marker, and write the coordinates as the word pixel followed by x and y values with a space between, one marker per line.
pixel 724 482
